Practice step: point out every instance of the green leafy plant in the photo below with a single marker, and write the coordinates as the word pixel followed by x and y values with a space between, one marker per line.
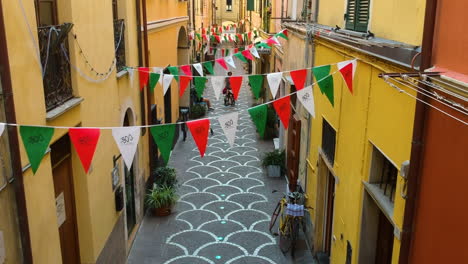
pixel 197 111
pixel 161 196
pixel 165 176
pixel 274 158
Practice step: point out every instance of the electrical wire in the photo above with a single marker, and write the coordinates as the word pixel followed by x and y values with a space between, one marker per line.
pixel 439 88
pixel 36 46
pixel 446 83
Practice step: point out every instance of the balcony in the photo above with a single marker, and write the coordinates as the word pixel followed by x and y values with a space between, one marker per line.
pixel 56 69
pixel 119 41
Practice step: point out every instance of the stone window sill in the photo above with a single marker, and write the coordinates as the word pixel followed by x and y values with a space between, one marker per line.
pixel 60 110
pixel 380 199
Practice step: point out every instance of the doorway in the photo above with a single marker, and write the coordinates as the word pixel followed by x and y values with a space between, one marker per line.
pixel 294 146
pixel 65 200
pixel 329 210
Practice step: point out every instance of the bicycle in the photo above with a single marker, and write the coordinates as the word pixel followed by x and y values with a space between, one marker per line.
pixel 291 221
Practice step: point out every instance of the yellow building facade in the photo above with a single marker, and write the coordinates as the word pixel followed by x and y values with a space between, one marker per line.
pixel 101 96
pixel 353 166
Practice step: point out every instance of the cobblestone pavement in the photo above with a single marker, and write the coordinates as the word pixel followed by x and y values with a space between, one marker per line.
pixel 225 201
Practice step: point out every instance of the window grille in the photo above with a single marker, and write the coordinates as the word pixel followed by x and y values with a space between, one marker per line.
pixel 328 141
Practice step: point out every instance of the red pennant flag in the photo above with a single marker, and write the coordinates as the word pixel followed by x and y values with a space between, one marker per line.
pixel 239 36
pixel 234 25
pixel 283 109
pixel 272 41
pixel 251 46
pixel 85 141
pixel 230 38
pixel 199 46
pixel 236 50
pixel 203 30
pixel 205 37
pixel 220 29
pixel 211 50
pixel 199 130
pixel 236 83
pixel 143 72
pixel 222 52
pixel 347 71
pixel 221 62
pixel 249 34
pixel 299 77
pixel 183 83
pixel 247 54
pixel 218 38
pixel 285 32
pixel 186 69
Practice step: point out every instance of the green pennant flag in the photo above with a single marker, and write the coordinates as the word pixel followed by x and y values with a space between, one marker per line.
pixel 256 83
pixel 198 36
pixel 255 34
pixel 320 73
pixel 208 66
pixel 237 38
pixel 240 57
pixel 225 38
pixel 174 71
pixel 36 140
pixel 214 52
pixel 227 52
pixel 212 38
pixel 263 45
pixel 259 117
pixel 325 81
pixel 282 35
pixel 200 83
pixel 164 138
pixel 241 48
pixel 154 78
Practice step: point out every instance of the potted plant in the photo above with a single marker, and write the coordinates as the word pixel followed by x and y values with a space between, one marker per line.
pixel 274 163
pixel 161 198
pixel 163 194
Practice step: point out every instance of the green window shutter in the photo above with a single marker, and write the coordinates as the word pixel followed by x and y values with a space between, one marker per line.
pixel 250 5
pixel 357 15
pixel 362 15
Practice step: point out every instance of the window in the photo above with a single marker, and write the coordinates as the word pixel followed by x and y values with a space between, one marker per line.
pixel 383 174
pixel 328 141
pixel 250 5
pixel 357 15
pixel 119 37
pixel 46 12
pixel 228 5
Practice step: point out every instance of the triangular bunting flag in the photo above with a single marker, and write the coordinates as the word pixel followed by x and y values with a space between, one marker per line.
pixel 187 69
pixel 299 77
pixel 347 70
pixel 254 52
pixel 199 130
pixel 199 68
pixel 163 136
pixel 174 71
pixel 282 35
pixel 283 109
pixel 183 83
pixel 143 73
pixel 2 128
pixel 85 141
pixel 306 97
pixel 127 142
pixel 200 83
pixel 249 34
pixel 247 54
pixel 327 87
pixel 320 73
pixel 154 78
pixel 217 82
pixel 167 80
pixel 272 41
pixel 240 57
pixel 228 123
pixel 222 52
pixel 35 141
pixel 230 61
pixel 221 62
pixel 208 66
pixel 131 74
pixel 274 80
pixel 236 83
pixel 256 83
pixel 259 117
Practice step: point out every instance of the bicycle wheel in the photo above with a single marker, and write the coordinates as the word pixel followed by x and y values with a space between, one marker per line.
pixel 285 239
pixel 294 234
pixel 274 216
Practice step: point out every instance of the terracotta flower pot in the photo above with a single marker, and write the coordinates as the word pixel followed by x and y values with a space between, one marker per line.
pixel 163 211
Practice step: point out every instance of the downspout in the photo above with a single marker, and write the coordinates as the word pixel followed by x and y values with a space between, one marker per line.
pixel 14 145
pixel 417 148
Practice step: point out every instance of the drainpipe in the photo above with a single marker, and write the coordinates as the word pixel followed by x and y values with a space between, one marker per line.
pixel 417 148
pixel 14 145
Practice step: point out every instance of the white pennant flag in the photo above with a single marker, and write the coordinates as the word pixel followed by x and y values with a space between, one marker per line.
pixel 254 52
pixel 127 140
pixel 342 64
pixel 274 80
pixel 2 128
pixel 229 125
pixel 207 49
pixel 131 74
pixel 160 71
pixel 167 80
pixel 306 97
pixel 230 61
pixel 199 68
pixel 218 84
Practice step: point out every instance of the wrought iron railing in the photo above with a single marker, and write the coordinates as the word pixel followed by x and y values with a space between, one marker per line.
pixel 56 69
pixel 119 41
pixel 387 180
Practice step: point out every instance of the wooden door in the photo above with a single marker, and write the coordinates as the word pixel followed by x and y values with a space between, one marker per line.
pixel 384 247
pixel 294 145
pixel 130 200
pixel 65 201
pixel 330 204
